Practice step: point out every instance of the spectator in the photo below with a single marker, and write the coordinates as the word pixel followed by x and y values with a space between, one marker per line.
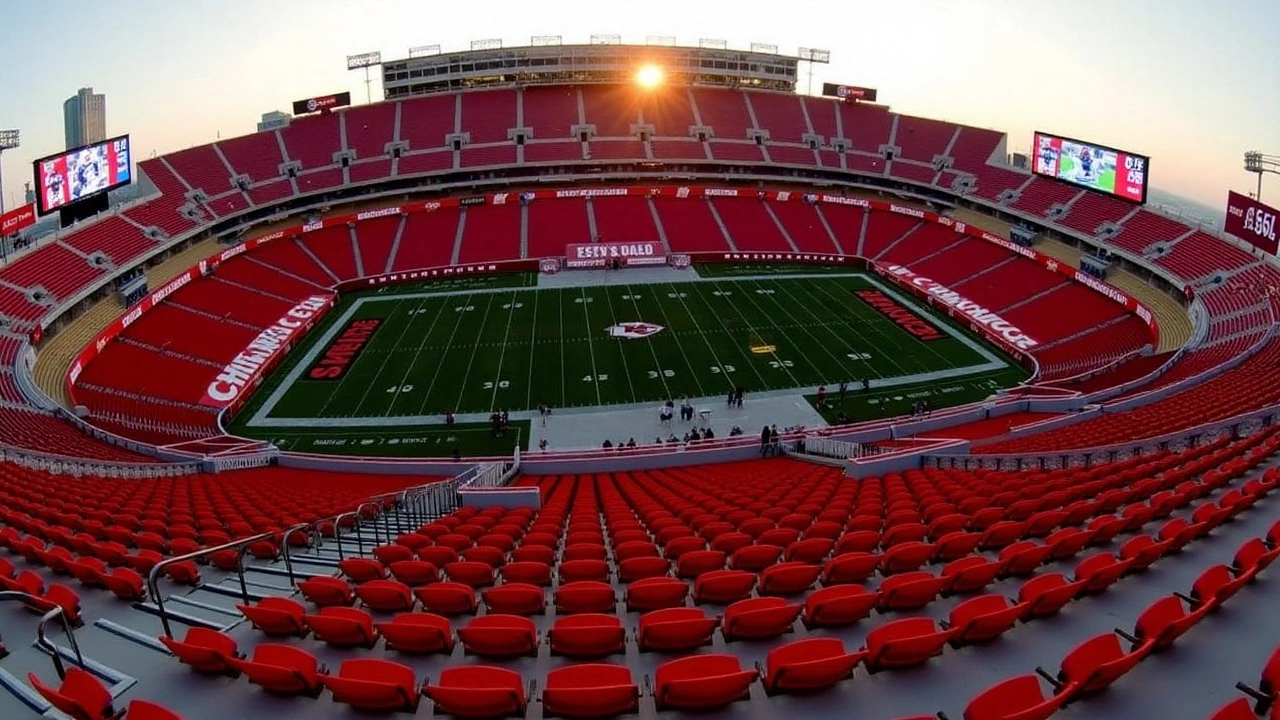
pixel 764 441
pixel 607 444
pixel 822 396
pixel 542 444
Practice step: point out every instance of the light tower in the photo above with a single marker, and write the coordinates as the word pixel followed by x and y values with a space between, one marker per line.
pixel 8 141
pixel 1258 163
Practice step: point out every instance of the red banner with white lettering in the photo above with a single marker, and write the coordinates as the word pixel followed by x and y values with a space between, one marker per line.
pixel 17 220
pixel 595 255
pixel 1252 222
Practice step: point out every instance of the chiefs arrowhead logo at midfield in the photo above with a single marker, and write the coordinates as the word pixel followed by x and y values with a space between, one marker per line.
pixel 633 330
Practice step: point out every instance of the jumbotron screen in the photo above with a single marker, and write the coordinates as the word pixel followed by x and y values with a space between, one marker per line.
pixel 1117 173
pixel 77 174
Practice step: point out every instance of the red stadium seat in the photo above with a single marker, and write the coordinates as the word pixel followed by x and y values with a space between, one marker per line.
pixel 417 633
pixel 910 590
pixel 759 618
pixel 528 571
pixel 657 593
pixel 1100 661
pixel 80 695
pixel 754 558
pixel 722 587
pixel 1045 595
pixel 839 605
pixel 585 596
pixel 374 685
pixel 788 578
pixel 515 599
pixel 983 618
pixel 674 629
pixel 589 635
pixel 385 595
pixel 850 567
pixel 904 643
pixel 143 710
pixel 1018 698
pixel 475 691
pixel 204 650
pixel 125 584
pixel 361 570
pixel 499 636
pixel 276 616
pixel 808 665
pixel 414 573
pixel 970 574
pixel 475 574
pixel 343 627
pixel 326 591
pixel 590 690
pixel 701 682
pixel 282 669
pixel 1165 620
pixel 447 598
pixel 579 570
pixel 641 567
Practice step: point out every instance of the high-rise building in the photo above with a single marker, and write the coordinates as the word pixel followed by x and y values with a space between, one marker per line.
pixel 84 118
pixel 273 120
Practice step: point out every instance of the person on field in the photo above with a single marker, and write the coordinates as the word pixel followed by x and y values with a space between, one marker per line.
pixel 822 396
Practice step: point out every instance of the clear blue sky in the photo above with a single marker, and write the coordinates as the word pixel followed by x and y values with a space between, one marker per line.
pixel 1192 83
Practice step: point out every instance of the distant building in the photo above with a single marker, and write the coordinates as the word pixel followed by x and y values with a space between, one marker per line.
pixel 30 195
pixel 84 118
pixel 274 120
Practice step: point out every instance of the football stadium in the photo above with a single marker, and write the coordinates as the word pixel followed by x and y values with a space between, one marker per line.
pixel 633 379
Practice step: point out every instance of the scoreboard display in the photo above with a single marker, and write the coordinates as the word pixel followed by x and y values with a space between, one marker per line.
pixel 81 173
pixel 1252 222
pixel 1117 173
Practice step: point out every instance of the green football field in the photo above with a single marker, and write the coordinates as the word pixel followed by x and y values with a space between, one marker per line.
pixel 403 356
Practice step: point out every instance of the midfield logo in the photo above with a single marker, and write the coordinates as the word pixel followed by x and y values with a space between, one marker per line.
pixel 633 330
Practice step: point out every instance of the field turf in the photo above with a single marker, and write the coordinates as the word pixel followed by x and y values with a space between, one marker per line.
pixel 484 345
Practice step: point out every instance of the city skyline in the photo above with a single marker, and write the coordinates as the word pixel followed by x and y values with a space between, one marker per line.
pixel 1174 79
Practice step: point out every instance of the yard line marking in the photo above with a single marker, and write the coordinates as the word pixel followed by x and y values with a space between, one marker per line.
pixel 679 345
pixel 533 332
pixel 595 375
pixel 888 337
pixel 625 369
pixel 502 355
pixel 427 395
pixel 475 346
pixel 847 376
pixel 825 347
pixel 653 351
pixel 763 383
pixel 409 368
pixel 564 381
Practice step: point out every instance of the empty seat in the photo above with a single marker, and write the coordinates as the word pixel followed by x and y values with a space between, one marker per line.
pixel 759 618
pixel 838 605
pixel 143 710
pixel 810 550
pixel 80 695
pixel 590 690
pixel 983 618
pixel 475 574
pixel 910 590
pixel 1099 571
pixel 640 567
pixel 417 633
pixel 808 665
pixel 377 685
pixel 362 570
pixel 204 650
pixel 387 554
pixel 1143 550
pixel 1096 663
pixel 276 616
pixel 904 643
pixel 754 558
pixel 491 556
pixel 850 567
pixel 515 599
pixel 414 573
pixel 1165 620
pixel 656 593
pixel 125 584
pixel 1018 698
pixel 585 596
pixel 499 636
pixel 385 595
pixel 476 691
pixel 788 578
pixel 906 557
pixel 343 627
pixel 701 682
pixel 970 574
pixel 326 591
pixel 589 635
pixel 674 629
pixel 1046 594
pixel 578 570
pixel 533 573
pixel 447 598
pixel 1023 557
pixel 281 669
pixel 722 587
pixel 1268 685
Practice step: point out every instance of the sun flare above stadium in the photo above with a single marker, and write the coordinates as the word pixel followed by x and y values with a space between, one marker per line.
pixel 650 76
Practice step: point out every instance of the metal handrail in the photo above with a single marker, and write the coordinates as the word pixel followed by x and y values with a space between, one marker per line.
pixel 33 602
pixel 240 545
pixel 304 527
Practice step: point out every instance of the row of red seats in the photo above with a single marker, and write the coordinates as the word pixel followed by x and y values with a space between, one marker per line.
pixel 1259 699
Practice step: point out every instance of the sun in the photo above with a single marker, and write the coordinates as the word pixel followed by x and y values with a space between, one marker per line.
pixel 649 76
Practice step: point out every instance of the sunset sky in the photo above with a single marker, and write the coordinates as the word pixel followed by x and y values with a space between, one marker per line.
pixel 1193 84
